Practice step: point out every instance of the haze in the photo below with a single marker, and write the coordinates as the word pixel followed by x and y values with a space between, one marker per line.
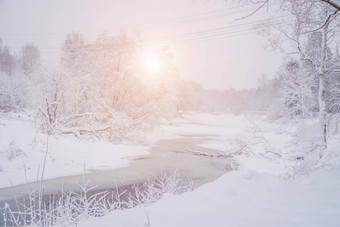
pixel 233 58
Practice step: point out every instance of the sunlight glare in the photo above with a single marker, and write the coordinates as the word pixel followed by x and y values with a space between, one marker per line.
pixel 153 64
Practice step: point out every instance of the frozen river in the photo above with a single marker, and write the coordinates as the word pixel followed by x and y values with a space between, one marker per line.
pixel 165 155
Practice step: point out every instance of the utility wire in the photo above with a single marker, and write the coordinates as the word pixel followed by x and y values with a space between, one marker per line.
pixel 159 24
pixel 218 33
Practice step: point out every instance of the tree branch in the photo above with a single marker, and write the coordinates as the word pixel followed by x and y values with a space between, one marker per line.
pixel 332 3
pixel 324 24
pixel 255 11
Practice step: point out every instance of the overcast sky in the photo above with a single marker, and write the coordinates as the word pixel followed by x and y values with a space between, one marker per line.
pixel 208 45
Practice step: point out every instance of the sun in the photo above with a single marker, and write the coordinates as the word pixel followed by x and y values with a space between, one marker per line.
pixel 153 64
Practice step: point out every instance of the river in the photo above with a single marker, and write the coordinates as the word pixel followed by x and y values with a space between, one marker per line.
pixel 165 155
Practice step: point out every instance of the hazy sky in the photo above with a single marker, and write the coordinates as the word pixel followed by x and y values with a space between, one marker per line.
pixel 208 45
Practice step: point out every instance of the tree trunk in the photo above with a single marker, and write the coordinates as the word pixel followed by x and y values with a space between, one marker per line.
pixel 322 109
pixel 322 87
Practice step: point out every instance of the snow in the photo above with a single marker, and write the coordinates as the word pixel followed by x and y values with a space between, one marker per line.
pixel 213 125
pixel 266 190
pixel 271 186
pixel 68 155
pixel 22 147
pixel 242 198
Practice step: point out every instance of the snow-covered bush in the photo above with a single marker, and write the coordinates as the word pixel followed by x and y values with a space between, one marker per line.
pixel 13 93
pixel 69 208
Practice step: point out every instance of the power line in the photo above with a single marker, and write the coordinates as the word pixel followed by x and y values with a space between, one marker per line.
pixel 229 34
pixel 222 32
pixel 159 24
pixel 248 25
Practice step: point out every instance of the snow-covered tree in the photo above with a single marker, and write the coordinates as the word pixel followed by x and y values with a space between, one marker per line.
pixel 30 58
pixel 8 61
pixel 108 89
pixel 309 19
pixel 297 89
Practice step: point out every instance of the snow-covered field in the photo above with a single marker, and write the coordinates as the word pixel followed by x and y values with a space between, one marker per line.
pixel 22 146
pixel 276 182
pixel 241 198
pixel 273 186
pixel 22 149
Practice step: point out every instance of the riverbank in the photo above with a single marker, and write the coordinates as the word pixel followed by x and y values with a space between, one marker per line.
pixel 171 148
pixel 246 166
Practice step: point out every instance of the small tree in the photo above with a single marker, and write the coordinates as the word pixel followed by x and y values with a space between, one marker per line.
pixel 30 59
pixel 7 63
pixel 297 89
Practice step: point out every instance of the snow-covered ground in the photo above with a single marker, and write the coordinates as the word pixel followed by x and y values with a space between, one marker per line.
pixel 273 186
pixel 22 149
pixel 23 146
pixel 241 198
pixel 278 181
pixel 216 125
